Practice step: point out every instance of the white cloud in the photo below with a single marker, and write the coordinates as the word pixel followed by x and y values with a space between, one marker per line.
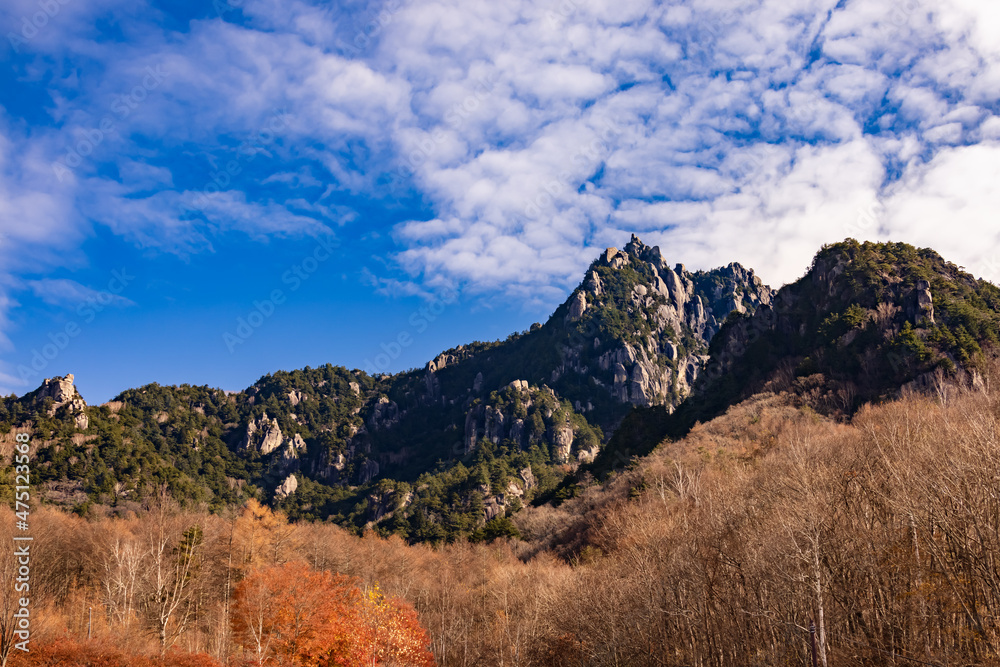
pixel 537 133
pixel 951 204
pixel 71 294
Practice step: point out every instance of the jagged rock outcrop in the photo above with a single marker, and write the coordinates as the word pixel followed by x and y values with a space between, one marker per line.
pixel 562 441
pixel 293 448
pixel 494 424
pixel 669 316
pixel 451 357
pixel 367 471
pixel 262 435
pixel 59 389
pixel 525 416
pixel 287 487
pixel 63 392
pixel 577 307
pixel 471 434
pixel 861 324
pixel 433 385
pixel 925 302
pixel 385 413
pixel 529 478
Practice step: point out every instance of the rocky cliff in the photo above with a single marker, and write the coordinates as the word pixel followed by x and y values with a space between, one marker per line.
pixel 865 322
pixel 640 329
pixel 481 428
pixel 63 395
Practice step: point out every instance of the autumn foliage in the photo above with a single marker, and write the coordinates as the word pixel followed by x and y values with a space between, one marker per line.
pixel 717 549
pixel 67 652
pixel 292 615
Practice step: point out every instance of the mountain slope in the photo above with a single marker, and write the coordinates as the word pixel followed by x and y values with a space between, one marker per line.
pixel 430 453
pixel 866 321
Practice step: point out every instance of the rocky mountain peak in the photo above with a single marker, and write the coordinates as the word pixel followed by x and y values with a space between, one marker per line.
pixel 63 392
pixel 649 325
pixel 867 319
pixel 59 389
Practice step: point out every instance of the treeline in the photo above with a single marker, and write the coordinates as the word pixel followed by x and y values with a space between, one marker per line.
pixel 180 589
pixel 718 549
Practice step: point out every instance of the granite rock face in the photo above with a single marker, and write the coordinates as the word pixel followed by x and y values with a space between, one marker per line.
pixel 63 393
pixel 287 487
pixel 633 333
pixel 262 435
pixel 925 301
pixel 670 316
pixel 60 389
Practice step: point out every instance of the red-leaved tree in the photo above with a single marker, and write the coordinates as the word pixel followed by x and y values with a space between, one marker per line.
pixel 293 615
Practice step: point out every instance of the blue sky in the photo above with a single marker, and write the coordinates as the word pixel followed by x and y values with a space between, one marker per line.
pixel 205 192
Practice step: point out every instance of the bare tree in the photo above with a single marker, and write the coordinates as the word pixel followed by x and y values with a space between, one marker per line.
pixel 173 553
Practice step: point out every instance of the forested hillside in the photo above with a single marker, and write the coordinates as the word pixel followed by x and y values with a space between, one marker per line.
pixel 865 322
pixel 717 549
pixel 675 469
pixel 446 452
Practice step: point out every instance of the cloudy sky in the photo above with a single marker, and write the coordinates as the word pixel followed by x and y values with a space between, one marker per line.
pixel 207 191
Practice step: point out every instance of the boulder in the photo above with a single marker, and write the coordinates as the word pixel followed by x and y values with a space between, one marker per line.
pixel 562 441
pixel 287 487
pixel 577 306
pixel 925 302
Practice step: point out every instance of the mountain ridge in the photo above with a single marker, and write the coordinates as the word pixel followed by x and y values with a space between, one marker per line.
pixel 456 448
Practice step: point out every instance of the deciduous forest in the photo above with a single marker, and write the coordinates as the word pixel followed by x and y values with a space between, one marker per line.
pixel 717 549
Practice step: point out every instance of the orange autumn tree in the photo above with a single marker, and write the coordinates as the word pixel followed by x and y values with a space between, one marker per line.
pixel 293 615
pixel 393 634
